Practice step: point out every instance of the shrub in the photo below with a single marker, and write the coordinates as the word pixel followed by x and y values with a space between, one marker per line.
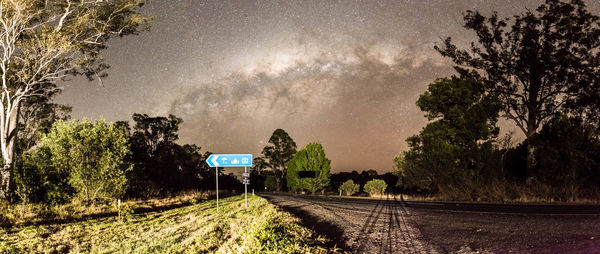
pixel 375 187
pixel 349 187
pixel 92 154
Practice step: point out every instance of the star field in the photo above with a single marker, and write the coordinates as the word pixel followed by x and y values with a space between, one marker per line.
pixel 342 73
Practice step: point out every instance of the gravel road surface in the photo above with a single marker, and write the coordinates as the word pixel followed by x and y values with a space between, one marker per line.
pixel 389 225
pixel 357 225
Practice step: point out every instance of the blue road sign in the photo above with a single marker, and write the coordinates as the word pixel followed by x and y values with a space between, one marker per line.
pixel 229 160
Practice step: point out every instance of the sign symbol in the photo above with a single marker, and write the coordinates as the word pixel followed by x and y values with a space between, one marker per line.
pixel 235 161
pixel 244 160
pixel 214 161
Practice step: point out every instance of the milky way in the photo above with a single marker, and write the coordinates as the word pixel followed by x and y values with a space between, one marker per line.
pixel 342 73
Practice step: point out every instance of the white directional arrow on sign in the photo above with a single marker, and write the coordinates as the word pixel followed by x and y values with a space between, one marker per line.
pixel 214 160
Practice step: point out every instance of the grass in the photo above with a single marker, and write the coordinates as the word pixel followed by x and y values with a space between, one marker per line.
pixel 198 228
pixel 27 214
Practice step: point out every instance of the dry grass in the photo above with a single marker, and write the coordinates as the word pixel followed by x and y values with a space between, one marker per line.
pixel 19 214
pixel 191 229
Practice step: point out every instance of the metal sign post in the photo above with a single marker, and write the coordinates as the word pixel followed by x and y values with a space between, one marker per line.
pixel 246 189
pixel 231 160
pixel 217 178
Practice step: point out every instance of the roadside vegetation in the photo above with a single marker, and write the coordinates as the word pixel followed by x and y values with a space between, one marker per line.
pixel 375 187
pixel 348 188
pixel 538 70
pixel 194 228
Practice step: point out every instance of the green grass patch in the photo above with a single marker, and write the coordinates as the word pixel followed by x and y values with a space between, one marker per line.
pixel 262 228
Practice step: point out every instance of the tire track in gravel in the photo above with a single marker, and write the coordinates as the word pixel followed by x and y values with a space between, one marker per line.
pixel 363 225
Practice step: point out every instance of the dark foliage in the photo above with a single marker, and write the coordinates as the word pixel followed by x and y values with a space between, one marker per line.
pixel 456 148
pixel 162 166
pixel 538 63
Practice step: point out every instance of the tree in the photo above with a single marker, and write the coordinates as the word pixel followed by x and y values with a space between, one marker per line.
pixel 375 187
pixel 46 41
pixel 279 152
pixel 458 144
pixel 92 154
pixel 310 159
pixel 538 66
pixel 161 165
pixel 349 188
pixel 259 164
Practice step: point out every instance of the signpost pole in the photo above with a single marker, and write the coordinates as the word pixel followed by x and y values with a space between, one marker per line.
pixel 217 177
pixel 230 160
pixel 246 188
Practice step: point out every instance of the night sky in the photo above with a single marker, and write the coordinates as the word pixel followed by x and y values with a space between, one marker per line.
pixel 342 73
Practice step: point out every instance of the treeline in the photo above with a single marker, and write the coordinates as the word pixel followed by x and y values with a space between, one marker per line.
pixel 98 161
pixel 538 70
pixel 282 168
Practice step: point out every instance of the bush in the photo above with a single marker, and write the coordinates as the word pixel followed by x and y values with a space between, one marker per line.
pixel 311 159
pixel 37 180
pixel 375 187
pixel 92 154
pixel 349 187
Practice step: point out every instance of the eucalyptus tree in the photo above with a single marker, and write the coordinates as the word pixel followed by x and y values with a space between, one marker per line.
pixel 42 42
pixel 539 63
pixel 279 152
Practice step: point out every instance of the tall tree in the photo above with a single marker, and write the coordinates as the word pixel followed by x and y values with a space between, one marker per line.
pixel 458 141
pixel 538 65
pixel 155 131
pixel 279 152
pixel 310 159
pixel 155 154
pixel 42 42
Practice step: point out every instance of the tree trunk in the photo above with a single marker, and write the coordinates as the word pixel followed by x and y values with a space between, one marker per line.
pixel 278 182
pixel 4 180
pixel 8 135
pixel 530 160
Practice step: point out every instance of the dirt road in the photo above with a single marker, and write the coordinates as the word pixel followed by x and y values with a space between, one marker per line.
pixel 358 226
pixel 389 225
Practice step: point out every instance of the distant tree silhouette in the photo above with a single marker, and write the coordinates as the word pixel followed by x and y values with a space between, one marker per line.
pixel 161 165
pixel 545 62
pixel 279 152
